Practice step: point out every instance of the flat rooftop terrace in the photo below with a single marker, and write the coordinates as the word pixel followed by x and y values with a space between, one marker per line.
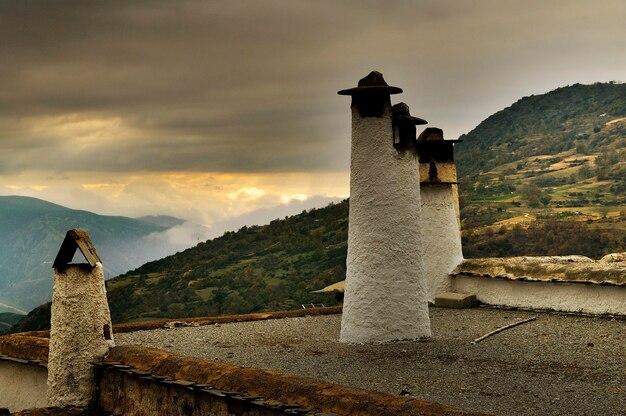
pixel 556 365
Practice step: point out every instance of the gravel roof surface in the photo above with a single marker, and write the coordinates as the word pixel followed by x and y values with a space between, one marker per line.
pixel 555 365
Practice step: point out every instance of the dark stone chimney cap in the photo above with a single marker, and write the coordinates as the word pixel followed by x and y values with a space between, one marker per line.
pixel 374 83
pixel 401 113
pixel 434 134
pixel 431 134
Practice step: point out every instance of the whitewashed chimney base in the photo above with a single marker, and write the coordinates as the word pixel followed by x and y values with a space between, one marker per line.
pixel 386 289
pixel 442 237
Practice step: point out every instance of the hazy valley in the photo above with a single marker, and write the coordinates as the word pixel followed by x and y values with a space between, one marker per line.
pixel 32 231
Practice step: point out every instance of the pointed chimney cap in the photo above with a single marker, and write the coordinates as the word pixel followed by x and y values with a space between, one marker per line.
pixel 76 239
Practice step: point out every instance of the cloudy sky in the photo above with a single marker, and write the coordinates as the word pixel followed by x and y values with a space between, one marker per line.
pixel 213 110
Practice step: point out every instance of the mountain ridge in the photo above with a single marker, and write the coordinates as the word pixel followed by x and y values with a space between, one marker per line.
pixel 32 230
pixel 555 121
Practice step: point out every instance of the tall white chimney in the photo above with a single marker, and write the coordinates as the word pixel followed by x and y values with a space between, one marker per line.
pixel 386 290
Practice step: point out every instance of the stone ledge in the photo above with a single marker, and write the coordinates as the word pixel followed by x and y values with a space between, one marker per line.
pixel 160 323
pixel 455 300
pixel 208 320
pixel 554 269
pixel 24 347
pixel 55 411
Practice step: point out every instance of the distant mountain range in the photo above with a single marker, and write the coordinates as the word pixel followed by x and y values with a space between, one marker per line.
pixel 8 319
pixel 31 232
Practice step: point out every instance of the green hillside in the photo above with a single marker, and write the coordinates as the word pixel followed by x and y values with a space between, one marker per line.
pixel 547 157
pixel 256 268
pixel 579 119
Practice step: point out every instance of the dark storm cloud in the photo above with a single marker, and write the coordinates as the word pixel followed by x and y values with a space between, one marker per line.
pixel 250 85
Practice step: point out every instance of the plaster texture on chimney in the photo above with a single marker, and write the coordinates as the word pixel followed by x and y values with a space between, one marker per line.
pixel 80 313
pixel 386 292
pixel 441 237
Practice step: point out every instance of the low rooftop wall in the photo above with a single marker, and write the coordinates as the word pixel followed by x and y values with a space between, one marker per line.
pixel 23 372
pixel 136 380
pixel 129 371
pixel 567 283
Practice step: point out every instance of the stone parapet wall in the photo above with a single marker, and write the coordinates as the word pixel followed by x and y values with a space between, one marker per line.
pixel 24 347
pixel 548 269
pixel 555 296
pixel 23 372
pixel 207 320
pixel 133 374
pixel 22 385
pixel 559 283
pixel 136 380
pixel 129 394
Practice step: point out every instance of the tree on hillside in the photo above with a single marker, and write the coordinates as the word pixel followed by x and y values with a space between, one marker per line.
pixel 585 172
pixel 534 196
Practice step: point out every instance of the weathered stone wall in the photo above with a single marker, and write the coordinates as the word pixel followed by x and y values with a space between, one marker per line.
pixel 22 371
pixel 124 394
pixel 22 385
pixel 139 380
pixel 566 269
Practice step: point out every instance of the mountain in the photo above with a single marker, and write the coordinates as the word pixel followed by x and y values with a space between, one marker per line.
pixel 574 120
pixel 162 220
pixel 546 157
pixel 8 319
pixel 562 174
pixel 31 232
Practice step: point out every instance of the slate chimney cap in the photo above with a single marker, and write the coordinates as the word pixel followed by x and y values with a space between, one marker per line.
pixel 434 134
pixel 76 240
pixel 401 113
pixel 374 83
pixel 431 134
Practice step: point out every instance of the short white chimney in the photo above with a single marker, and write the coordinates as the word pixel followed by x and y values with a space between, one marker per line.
pixel 440 209
pixel 80 327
